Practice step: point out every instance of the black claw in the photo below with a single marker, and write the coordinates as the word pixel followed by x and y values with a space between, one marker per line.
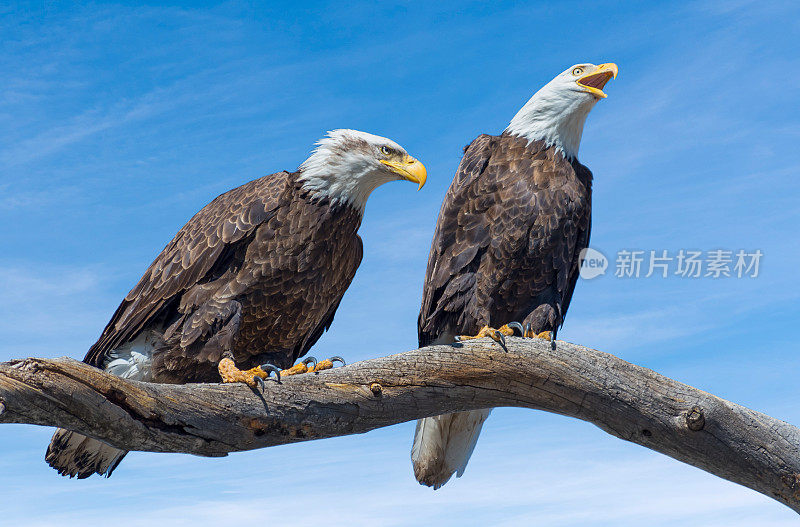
pixel 527 329
pixel 309 360
pixel 336 358
pixel 260 382
pixel 457 338
pixel 553 340
pixel 518 327
pixel 501 339
pixel 271 368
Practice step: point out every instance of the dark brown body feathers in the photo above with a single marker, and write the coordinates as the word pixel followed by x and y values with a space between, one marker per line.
pixel 259 271
pixel 508 239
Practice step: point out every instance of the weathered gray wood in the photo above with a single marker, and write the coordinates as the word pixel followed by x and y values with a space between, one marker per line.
pixel 625 400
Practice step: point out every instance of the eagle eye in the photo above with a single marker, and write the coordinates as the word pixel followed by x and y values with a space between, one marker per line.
pixel 385 150
pixel 577 71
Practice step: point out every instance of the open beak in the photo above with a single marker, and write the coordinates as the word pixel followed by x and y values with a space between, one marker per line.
pixel 595 81
pixel 409 169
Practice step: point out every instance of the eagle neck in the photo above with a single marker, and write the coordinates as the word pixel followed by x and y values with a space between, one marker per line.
pixel 554 119
pixel 345 179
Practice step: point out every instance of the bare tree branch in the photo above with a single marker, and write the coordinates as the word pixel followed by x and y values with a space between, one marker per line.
pixel 625 400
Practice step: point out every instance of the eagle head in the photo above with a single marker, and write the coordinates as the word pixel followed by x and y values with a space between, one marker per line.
pixel 557 112
pixel 587 78
pixel 347 165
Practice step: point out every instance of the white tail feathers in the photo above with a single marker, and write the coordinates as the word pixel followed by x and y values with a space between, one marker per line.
pixel 73 454
pixel 443 445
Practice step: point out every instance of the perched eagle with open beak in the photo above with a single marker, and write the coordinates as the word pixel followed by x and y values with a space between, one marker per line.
pixel 251 281
pixel 507 247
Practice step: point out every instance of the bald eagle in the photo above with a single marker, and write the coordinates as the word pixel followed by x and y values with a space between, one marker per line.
pixel 506 250
pixel 255 277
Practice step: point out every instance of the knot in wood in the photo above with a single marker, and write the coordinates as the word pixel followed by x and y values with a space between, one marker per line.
pixel 30 365
pixel 376 389
pixel 695 419
pixel 793 482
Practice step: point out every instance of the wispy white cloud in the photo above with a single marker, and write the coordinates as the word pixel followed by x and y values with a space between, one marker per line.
pixel 51 310
pixel 614 331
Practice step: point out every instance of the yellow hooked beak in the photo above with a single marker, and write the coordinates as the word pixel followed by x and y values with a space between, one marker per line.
pixel 595 81
pixel 409 169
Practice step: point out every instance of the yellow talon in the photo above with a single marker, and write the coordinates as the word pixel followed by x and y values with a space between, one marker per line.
pixel 546 335
pixel 230 373
pixel 303 367
pixel 300 367
pixel 327 364
pixel 490 332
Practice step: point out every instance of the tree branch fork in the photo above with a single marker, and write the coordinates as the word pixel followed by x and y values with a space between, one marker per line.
pixel 627 401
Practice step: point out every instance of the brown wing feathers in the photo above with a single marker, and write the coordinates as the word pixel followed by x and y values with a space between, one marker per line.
pixel 188 258
pixel 507 239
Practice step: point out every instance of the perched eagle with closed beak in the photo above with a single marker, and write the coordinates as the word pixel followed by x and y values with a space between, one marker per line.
pixel 507 247
pixel 252 280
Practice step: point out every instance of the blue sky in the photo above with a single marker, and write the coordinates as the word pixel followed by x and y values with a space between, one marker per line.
pixel 118 122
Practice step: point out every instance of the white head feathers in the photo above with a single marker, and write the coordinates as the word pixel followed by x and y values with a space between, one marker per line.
pixel 347 165
pixel 557 112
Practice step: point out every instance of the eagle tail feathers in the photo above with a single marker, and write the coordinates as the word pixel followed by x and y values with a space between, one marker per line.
pixel 443 445
pixel 73 454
